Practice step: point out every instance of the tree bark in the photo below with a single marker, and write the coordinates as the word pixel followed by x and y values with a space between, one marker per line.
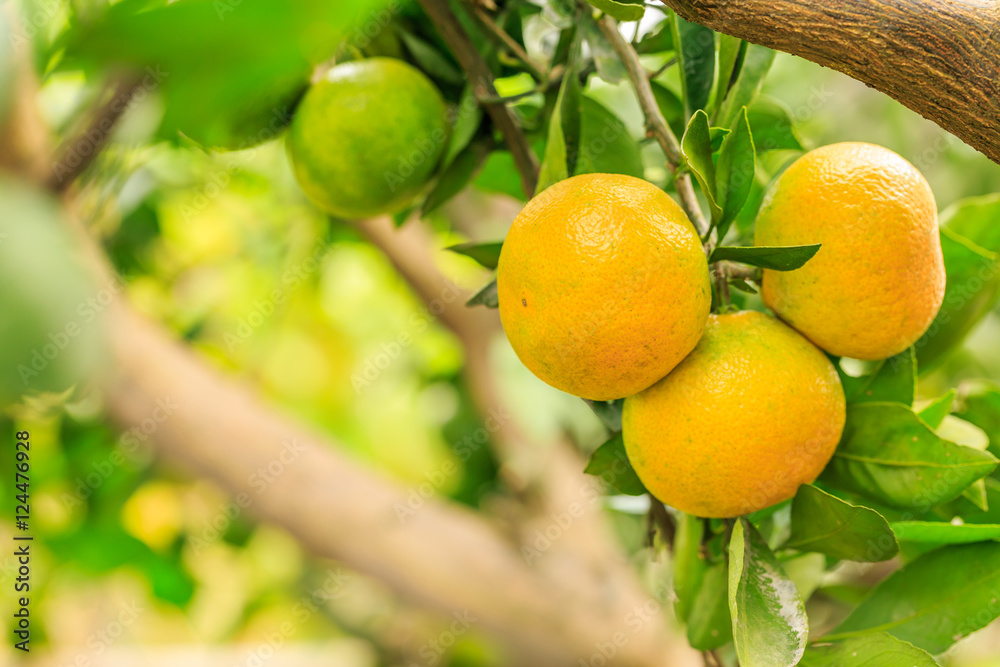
pixel 940 58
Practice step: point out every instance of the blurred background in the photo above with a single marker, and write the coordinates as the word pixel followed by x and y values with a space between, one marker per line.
pixel 137 560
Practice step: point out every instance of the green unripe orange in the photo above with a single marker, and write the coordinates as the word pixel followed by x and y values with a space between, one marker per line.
pixel 366 138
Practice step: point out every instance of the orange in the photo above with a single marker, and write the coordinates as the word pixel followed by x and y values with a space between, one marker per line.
pixel 366 138
pixel 877 282
pixel 603 285
pixel 752 413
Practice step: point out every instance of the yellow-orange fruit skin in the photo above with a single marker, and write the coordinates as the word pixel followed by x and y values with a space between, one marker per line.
pixel 878 280
pixel 603 285
pixel 752 413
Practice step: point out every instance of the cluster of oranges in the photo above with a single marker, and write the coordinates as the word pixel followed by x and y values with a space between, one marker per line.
pixel 604 293
pixel 604 288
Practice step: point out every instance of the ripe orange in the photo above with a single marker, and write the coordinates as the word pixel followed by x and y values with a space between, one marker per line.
pixel 752 413
pixel 366 138
pixel 603 285
pixel 878 281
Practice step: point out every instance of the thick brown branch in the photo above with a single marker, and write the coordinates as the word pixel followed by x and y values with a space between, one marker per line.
pixel 656 124
pixel 479 74
pixel 940 58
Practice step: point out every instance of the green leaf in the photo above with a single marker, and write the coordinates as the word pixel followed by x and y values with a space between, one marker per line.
pixel 657 40
pixel 935 600
pixel 756 64
pixel 971 289
pixel 731 52
pixel 777 258
pixel 718 135
pixel 228 75
pixel 708 625
pixel 688 565
pixel 622 10
pixel 611 464
pixel 455 177
pixel 976 218
pixel 487 254
pixel 980 405
pixel 772 126
pixel 609 412
pixel 467 119
pixel 695 46
pixel 975 493
pixel 606 147
pixel 562 146
pixel 873 650
pixel 743 286
pixel 487 296
pixel 959 431
pixel 893 380
pixel 889 455
pixel 609 66
pixel 734 172
pixel 934 412
pixel 945 533
pixel 500 175
pixel 806 571
pixel 826 524
pixel 696 145
pixel 430 59
pixel 769 621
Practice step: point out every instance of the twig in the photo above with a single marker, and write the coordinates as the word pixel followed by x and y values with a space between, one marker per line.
pixel 504 39
pixel 479 73
pixel 656 124
pixel 722 283
pixel 662 520
pixel 734 270
pixel 667 65
pixel 72 159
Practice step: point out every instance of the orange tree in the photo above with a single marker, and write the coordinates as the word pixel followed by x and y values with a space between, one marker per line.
pixel 765 451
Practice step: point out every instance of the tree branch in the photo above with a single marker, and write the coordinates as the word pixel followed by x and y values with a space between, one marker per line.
pixel 656 124
pixel 77 153
pixel 501 37
pixel 479 74
pixel 940 58
pixel 408 248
